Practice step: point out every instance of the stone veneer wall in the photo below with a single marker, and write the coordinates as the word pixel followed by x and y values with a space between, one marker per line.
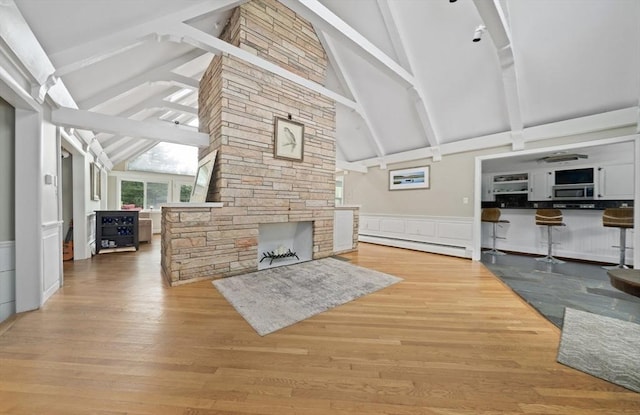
pixel 238 103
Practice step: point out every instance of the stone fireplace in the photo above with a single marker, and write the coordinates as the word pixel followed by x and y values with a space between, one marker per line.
pixel 250 188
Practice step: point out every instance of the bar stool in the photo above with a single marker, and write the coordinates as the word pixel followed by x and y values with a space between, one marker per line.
pixel 621 218
pixel 492 215
pixel 549 218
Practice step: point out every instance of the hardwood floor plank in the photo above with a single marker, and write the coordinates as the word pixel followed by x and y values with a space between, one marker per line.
pixel 450 339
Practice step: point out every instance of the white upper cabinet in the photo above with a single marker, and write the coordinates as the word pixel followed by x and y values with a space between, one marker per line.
pixel 615 181
pixel 540 184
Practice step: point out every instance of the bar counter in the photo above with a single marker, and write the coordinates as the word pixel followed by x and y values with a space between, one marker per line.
pixel 582 238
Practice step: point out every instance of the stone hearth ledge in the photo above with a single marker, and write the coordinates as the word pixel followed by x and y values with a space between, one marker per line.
pixel 193 205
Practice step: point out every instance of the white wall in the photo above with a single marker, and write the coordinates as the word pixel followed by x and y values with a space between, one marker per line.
pixel 452 180
pixel 28 215
pixel 51 216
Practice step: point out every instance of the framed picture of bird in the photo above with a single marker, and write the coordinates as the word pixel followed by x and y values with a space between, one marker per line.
pixel 289 140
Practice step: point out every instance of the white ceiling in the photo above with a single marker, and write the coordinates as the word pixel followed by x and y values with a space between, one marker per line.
pixel 420 85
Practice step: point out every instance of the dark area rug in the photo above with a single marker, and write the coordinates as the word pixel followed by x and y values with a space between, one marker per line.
pixel 550 288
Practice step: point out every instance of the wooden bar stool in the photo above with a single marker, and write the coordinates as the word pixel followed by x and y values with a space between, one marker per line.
pixel 621 218
pixel 492 215
pixel 549 218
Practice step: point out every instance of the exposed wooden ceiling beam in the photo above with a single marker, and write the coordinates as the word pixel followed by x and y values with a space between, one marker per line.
pixel 132 151
pixel 119 125
pixel 146 104
pixel 174 106
pixel 323 18
pixel 582 125
pixel 160 74
pixel 373 134
pixel 205 41
pixel 19 38
pixel 394 34
pixel 119 41
pixel 345 165
pixel 120 143
pixel 494 19
pixel 416 91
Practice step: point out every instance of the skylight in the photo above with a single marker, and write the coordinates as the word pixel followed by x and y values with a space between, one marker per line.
pixel 167 158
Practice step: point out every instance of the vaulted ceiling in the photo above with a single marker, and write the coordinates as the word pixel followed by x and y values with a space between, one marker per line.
pixel 408 80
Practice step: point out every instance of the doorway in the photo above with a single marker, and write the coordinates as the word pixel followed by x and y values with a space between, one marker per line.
pixel 66 196
pixel 7 211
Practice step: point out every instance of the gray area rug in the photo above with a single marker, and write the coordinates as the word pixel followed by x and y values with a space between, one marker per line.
pixel 604 347
pixel 279 297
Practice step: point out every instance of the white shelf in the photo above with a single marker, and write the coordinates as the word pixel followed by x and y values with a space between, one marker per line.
pixel 510 182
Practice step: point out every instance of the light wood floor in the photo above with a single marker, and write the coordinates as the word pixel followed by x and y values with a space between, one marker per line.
pixel 449 339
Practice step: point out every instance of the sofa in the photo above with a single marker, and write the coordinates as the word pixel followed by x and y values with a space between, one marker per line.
pixel 145 224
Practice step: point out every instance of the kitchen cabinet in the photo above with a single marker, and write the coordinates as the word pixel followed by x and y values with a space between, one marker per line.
pixel 615 181
pixel 487 188
pixel 540 184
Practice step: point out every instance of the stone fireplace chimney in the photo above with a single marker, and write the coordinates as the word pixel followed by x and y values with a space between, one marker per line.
pixel 238 106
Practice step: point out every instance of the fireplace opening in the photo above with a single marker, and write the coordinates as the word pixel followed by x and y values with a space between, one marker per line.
pixel 284 243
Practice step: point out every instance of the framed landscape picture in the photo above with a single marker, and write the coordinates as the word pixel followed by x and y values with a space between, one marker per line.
pixel 412 178
pixel 289 140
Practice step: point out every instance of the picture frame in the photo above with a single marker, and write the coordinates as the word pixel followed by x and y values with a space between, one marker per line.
pixel 411 178
pixel 96 182
pixel 203 178
pixel 288 140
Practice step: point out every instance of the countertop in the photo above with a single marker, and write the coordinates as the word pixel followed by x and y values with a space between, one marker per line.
pixel 561 204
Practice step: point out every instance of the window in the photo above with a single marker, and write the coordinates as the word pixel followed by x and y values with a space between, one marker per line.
pixel 167 158
pixel 132 193
pixel 339 190
pixel 144 195
pixel 185 192
pixel 157 193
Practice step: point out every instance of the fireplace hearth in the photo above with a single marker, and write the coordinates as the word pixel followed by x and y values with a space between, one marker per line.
pixel 284 243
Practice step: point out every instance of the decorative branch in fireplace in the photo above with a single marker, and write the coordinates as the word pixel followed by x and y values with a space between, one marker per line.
pixel 278 254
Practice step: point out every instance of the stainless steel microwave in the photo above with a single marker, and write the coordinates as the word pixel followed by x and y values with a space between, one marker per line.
pixel 572 192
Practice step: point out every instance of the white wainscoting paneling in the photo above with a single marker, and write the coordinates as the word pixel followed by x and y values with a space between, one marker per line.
pixel 52 257
pixel 438 234
pixel 7 279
